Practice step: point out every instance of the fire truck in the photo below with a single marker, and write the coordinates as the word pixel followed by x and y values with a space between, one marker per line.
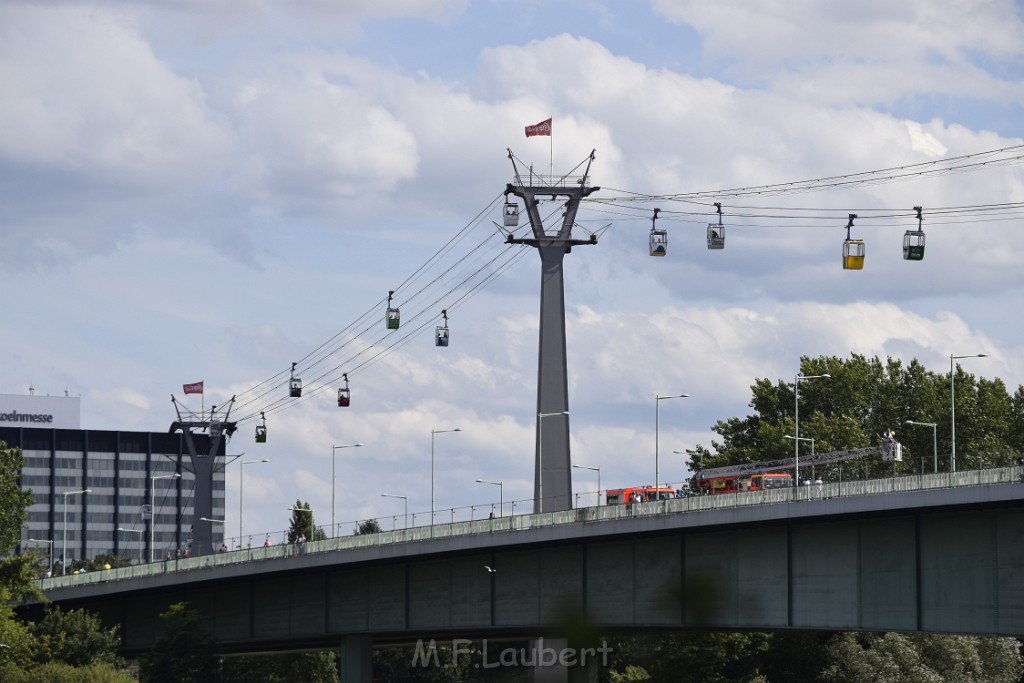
pixel 639 494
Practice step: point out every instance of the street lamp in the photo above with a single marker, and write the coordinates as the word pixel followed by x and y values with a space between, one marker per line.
pixel 64 552
pixel 700 471
pixel 142 540
pixel 334 450
pixel 433 433
pixel 593 469
pixel 40 540
pixel 152 506
pixel 241 482
pixel 935 439
pixel 657 453
pixel 405 500
pixel 796 414
pixel 501 492
pixel 952 405
pixel 312 529
pixel 540 455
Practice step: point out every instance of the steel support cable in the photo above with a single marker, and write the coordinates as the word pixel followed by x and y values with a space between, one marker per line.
pixel 381 353
pixel 284 402
pixel 446 247
pixel 275 405
pixel 973 162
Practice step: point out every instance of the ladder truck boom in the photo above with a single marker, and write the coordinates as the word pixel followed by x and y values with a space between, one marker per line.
pixel 789 463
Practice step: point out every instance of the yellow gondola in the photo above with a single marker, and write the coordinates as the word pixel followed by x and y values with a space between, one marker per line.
pixel 853 250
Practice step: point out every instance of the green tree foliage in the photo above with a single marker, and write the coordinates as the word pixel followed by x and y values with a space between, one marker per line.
pixel 301 524
pixel 862 398
pixel 921 658
pixel 370 526
pixel 304 667
pixel 183 651
pixel 59 672
pixel 76 637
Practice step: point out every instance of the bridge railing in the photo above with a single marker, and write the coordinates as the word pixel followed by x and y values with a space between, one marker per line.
pixel 500 524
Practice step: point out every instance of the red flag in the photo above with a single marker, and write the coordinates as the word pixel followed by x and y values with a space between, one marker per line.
pixel 194 388
pixel 542 128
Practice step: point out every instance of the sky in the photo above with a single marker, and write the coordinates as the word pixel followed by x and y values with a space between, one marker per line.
pixel 211 191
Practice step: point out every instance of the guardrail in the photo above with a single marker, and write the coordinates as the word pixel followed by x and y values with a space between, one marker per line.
pixel 691 504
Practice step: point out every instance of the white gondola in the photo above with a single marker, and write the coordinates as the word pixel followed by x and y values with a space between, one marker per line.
pixel 716 231
pixel 441 333
pixel 261 429
pixel 659 238
pixel 511 215
pixel 294 384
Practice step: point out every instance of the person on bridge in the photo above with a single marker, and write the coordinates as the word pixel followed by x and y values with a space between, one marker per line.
pixel 267 543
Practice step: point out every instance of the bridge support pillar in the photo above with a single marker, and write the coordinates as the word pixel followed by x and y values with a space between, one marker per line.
pixel 355 660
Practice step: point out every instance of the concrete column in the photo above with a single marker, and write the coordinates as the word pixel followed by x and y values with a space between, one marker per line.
pixel 355 661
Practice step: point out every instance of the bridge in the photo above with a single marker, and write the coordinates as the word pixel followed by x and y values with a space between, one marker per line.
pixel 933 553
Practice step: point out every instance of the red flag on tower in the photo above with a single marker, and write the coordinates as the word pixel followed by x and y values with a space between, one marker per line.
pixel 194 388
pixel 542 128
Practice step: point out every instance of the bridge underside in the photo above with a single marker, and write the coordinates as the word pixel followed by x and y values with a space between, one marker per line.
pixel 953 572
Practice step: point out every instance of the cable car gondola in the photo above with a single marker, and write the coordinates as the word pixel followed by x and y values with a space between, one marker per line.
pixel 261 429
pixel 511 215
pixel 716 231
pixel 393 315
pixel 295 384
pixel 659 238
pixel 441 333
pixel 344 396
pixel 913 241
pixel 853 250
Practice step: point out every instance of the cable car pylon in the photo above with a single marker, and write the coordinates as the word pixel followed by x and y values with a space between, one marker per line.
pixel 552 487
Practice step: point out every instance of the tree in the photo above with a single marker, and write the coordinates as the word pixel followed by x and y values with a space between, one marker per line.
pixel 859 401
pixel 301 524
pixel 370 526
pixel 76 637
pixel 183 652
pixel 308 667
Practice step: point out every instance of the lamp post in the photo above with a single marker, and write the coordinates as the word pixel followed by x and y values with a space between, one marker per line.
pixel 334 450
pixel 801 438
pixel 952 405
pixel 796 414
pixel 152 506
pixel 142 541
pixel 593 469
pixel 501 492
pixel 935 439
pixel 657 453
pixel 40 540
pixel 540 455
pixel 405 499
pixel 433 433
pixel 64 552
pixel 241 482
